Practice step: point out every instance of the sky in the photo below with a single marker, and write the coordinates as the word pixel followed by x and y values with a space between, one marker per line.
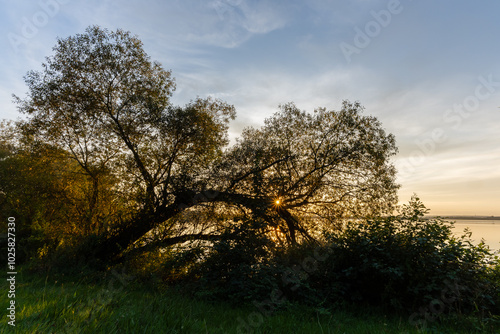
pixel 428 70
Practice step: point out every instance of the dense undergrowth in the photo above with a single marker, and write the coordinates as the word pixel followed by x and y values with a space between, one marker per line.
pixel 416 272
pixel 117 303
pixel 402 264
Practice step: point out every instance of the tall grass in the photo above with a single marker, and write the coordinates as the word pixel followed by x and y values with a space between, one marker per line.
pixel 73 305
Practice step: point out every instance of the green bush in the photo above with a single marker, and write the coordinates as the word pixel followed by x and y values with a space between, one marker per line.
pixel 402 263
pixel 237 268
pixel 406 262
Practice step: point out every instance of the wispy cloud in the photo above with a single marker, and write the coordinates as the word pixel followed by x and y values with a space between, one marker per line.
pixel 229 23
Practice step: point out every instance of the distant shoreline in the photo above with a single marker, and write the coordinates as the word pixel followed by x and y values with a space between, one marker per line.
pixel 466 217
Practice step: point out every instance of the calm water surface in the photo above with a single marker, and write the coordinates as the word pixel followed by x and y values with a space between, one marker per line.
pixel 487 229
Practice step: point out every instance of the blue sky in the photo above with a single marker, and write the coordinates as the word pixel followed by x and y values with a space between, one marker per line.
pixel 429 70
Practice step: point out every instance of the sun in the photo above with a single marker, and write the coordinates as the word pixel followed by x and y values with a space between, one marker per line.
pixel 277 202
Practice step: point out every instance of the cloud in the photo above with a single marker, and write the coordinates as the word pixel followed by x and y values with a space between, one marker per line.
pixel 219 23
pixel 229 23
pixel 257 92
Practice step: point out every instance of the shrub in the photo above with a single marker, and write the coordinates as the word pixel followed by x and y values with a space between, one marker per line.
pixel 400 263
pixel 404 262
pixel 237 268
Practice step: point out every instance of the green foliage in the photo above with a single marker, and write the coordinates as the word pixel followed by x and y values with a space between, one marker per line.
pixel 325 164
pixel 55 204
pixel 103 104
pixel 237 267
pixel 31 191
pixel 74 305
pixel 405 262
pixel 401 263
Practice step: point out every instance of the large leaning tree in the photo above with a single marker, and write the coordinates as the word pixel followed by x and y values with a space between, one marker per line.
pixel 102 101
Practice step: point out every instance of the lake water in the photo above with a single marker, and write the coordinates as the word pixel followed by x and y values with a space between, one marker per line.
pixel 487 229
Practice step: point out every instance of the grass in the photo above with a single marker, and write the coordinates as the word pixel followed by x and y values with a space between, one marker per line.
pixel 108 305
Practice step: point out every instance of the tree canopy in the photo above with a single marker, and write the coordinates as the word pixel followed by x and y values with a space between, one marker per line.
pixel 314 168
pixel 101 106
